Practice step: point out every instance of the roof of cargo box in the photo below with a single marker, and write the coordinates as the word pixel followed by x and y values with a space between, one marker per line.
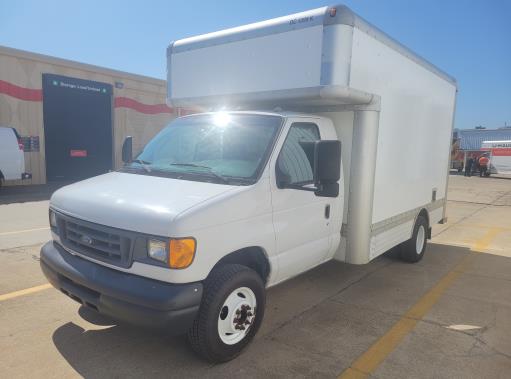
pixel 337 14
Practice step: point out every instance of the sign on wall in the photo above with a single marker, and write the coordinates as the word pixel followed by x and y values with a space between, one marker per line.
pixel 30 143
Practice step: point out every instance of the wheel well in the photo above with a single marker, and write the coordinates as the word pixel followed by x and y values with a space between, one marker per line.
pixel 1 174
pixel 425 214
pixel 253 257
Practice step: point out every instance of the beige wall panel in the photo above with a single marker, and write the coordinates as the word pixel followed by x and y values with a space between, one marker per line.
pixel 25 70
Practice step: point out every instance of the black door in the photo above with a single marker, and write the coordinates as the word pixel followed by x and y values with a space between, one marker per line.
pixel 77 127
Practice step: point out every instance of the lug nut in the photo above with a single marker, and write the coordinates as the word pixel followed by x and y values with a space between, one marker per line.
pixel 238 312
pixel 249 314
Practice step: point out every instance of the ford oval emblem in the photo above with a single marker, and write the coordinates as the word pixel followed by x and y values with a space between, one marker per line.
pixel 86 239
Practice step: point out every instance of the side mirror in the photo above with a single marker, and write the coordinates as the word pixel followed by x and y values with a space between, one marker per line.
pixel 327 167
pixel 127 149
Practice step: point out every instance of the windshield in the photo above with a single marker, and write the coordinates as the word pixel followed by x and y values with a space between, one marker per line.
pixel 218 147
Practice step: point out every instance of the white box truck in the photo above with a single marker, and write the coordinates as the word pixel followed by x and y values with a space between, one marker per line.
pixel 302 154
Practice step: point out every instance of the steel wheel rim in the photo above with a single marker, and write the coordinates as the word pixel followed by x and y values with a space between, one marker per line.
pixel 237 315
pixel 421 237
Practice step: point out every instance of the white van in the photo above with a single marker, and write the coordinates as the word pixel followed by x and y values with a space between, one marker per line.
pixel 303 157
pixel 12 158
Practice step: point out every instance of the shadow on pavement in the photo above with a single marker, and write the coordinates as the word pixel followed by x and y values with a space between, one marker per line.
pixel 121 350
pixel 315 320
pixel 124 351
pixel 94 317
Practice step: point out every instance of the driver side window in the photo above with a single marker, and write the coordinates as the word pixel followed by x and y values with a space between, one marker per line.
pixel 295 161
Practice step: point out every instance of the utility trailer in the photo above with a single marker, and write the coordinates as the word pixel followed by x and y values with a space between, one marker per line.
pixel 301 155
pixel 500 156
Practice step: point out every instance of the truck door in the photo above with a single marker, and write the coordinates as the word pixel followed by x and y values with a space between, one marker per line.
pixel 301 219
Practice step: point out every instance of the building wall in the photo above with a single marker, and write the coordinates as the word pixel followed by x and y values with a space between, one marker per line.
pixel 139 106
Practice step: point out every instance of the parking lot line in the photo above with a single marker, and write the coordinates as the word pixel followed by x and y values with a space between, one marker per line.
pixel 369 361
pixel 485 241
pixel 26 291
pixel 479 226
pixel 23 231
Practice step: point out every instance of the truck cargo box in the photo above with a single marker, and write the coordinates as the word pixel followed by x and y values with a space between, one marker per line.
pixel 393 110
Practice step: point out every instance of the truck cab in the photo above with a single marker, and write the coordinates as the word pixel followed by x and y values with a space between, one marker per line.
pixel 212 190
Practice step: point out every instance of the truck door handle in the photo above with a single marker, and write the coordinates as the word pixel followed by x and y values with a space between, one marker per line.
pixel 327 211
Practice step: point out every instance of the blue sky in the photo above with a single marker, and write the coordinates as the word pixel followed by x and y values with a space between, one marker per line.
pixel 471 40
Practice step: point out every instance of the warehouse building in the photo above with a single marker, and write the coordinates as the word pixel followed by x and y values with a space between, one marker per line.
pixel 73 117
pixel 468 142
pixel 471 140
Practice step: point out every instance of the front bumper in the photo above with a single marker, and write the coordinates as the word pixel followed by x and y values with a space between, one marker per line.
pixel 122 296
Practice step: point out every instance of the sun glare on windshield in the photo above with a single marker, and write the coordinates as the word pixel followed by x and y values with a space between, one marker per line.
pixel 221 119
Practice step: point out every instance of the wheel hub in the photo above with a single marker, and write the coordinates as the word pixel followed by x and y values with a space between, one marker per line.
pixel 237 315
pixel 243 317
pixel 421 237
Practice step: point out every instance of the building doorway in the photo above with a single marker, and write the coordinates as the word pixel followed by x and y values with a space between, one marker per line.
pixel 77 127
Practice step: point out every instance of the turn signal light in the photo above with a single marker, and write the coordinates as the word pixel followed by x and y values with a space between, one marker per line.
pixel 182 252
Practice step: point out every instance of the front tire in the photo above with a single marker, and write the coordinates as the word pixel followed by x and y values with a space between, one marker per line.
pixel 413 250
pixel 230 314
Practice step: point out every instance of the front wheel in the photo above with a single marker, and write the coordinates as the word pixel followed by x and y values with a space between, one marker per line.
pixel 413 250
pixel 230 314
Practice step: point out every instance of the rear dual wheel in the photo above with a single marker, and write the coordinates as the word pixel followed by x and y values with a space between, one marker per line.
pixel 230 314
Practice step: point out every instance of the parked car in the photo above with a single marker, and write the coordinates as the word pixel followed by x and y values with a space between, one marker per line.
pixel 12 158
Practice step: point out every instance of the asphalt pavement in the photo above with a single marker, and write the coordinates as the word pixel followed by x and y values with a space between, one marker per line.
pixel 448 316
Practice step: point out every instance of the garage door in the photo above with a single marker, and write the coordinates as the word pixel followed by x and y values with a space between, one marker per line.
pixel 77 127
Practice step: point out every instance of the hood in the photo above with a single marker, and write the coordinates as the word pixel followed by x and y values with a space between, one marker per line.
pixel 141 203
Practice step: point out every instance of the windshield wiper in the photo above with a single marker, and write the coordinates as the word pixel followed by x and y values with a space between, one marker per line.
pixel 210 170
pixel 143 163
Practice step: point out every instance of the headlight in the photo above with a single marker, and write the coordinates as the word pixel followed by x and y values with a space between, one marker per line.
pixel 157 250
pixel 177 253
pixel 53 220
